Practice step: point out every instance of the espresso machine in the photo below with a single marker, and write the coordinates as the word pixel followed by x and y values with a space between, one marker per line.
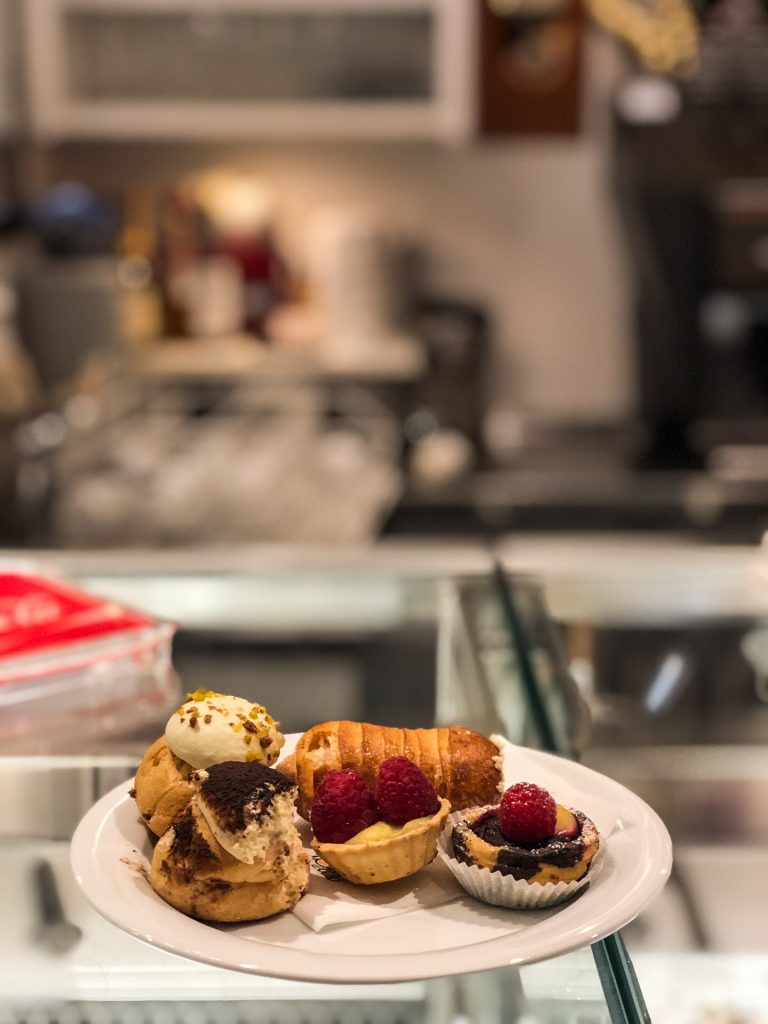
pixel 690 172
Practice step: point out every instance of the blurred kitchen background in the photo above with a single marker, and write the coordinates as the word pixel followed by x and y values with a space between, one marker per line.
pixel 332 271
pixel 308 308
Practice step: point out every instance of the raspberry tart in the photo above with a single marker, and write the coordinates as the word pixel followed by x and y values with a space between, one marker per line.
pixel 369 837
pixel 528 851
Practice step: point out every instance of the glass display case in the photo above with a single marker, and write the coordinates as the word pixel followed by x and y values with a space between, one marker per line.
pixel 412 637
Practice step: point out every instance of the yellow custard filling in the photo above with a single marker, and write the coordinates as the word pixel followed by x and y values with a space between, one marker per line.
pixel 381 831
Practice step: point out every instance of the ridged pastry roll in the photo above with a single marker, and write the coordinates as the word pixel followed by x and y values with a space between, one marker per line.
pixel 462 765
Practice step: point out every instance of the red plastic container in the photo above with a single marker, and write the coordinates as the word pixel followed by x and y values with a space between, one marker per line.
pixel 75 668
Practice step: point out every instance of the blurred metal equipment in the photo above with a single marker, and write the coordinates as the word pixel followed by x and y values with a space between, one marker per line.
pixel 44 797
pixel 691 177
pixel 68 310
pixel 502 666
pixel 68 300
pixel 456 337
pixel 56 933
pixel 207 464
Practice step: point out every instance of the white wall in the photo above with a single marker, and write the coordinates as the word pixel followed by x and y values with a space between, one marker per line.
pixel 525 226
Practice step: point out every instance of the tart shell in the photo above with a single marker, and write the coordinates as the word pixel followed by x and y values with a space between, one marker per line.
pixel 388 859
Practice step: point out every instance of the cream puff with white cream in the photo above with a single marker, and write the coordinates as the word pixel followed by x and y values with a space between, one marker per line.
pixel 207 729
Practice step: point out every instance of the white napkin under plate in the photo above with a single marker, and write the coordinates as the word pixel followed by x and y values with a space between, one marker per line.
pixel 327 904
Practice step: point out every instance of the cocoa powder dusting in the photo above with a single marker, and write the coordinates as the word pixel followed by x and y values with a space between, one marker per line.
pixel 238 792
pixel 189 852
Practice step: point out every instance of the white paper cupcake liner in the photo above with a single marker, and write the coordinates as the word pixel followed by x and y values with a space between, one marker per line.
pixel 503 890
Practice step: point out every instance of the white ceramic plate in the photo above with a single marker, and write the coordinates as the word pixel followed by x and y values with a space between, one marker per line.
pixel 456 937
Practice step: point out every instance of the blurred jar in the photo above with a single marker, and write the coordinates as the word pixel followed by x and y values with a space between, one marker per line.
pixel 352 277
pixel 239 208
pixel 212 294
pixel 141 301
pixel 18 388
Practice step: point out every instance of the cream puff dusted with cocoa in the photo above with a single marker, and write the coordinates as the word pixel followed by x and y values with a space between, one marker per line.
pixel 249 810
pixel 234 853
pixel 208 729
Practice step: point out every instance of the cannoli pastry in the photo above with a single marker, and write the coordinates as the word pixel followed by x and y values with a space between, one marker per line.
pixel 463 766
pixel 208 729
pixel 233 854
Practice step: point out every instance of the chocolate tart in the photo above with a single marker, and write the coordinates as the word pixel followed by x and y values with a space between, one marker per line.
pixel 478 839
pixel 494 870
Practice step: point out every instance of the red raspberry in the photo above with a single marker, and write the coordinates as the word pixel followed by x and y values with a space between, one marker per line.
pixel 404 792
pixel 342 807
pixel 527 813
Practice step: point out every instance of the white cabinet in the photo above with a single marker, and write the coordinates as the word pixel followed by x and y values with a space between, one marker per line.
pixel 234 69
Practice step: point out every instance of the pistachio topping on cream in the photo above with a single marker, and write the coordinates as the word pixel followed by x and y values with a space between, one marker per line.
pixel 212 727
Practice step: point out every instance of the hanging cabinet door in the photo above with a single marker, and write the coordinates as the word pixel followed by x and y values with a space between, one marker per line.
pixel 235 69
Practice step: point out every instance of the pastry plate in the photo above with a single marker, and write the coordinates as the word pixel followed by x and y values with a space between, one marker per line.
pixel 111 850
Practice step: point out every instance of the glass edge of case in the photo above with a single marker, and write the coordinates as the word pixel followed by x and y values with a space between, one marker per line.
pixel 621 988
